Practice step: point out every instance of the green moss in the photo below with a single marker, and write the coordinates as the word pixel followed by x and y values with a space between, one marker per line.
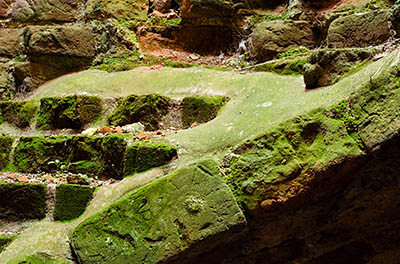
pixel 143 156
pixel 267 166
pixel 5 150
pixel 78 154
pixel 6 240
pixel 19 114
pixel 176 64
pixel 176 213
pixel 201 109
pixel 20 201
pixel 71 201
pixel 293 52
pixel 293 66
pixel 113 147
pixel 41 258
pixel 68 112
pixel 147 109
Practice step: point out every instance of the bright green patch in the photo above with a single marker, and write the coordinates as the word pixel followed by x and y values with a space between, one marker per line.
pixel 142 156
pixel 5 150
pixel 68 112
pixel 201 109
pixel 291 66
pixel 71 201
pixel 37 259
pixel 262 168
pixel 6 240
pixel 78 154
pixel 147 109
pixel 294 52
pixel 160 220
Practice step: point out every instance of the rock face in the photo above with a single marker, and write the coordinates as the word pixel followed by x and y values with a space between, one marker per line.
pixel 360 30
pixel 345 213
pixel 45 10
pixel 124 10
pixel 171 219
pixel 207 8
pixel 273 37
pixel 325 67
pixel 9 42
pixel 76 41
pixel 68 112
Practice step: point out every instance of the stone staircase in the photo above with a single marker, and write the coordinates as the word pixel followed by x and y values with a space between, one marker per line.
pixel 67 146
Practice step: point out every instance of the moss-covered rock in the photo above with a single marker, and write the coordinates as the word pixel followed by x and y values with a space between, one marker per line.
pixel 329 65
pixel 6 240
pixel 273 37
pixel 39 258
pixel 360 30
pixel 71 201
pixel 68 112
pixel 143 156
pixel 277 165
pixel 121 10
pixel 22 201
pixel 19 114
pixel 146 109
pixel 78 154
pixel 374 110
pixel 286 66
pixel 5 150
pixel 201 109
pixel 174 218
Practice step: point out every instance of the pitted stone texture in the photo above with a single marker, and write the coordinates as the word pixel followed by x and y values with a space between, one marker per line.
pixel 273 37
pixel 172 219
pixel 77 41
pixel 360 30
pixel 120 9
pixel 44 10
pixel 9 41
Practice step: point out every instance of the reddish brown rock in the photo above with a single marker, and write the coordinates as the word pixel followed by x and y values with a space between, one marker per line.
pixel 44 10
pixel 9 42
pixel 77 41
pixel 5 6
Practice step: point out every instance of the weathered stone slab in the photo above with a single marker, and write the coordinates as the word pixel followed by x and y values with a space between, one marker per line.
pixel 44 10
pixel 273 37
pixel 9 41
pixel 77 41
pixel 360 30
pixel 179 216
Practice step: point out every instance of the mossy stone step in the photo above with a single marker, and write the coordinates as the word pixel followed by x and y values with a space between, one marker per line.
pixel 201 109
pixel 5 150
pixel 19 114
pixel 147 109
pixel 22 201
pixel 191 210
pixel 106 156
pixel 77 154
pixel 142 156
pixel 71 201
pixel 68 112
